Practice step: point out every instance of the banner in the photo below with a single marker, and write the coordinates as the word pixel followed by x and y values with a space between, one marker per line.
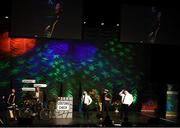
pixel 172 103
pixel 64 107
pixel 28 81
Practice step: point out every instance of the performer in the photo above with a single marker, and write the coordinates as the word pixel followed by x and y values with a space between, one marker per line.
pixel 12 97
pixel 38 95
pixel 54 29
pixel 11 103
pixel 3 108
pixel 38 104
pixel 126 99
pixel 106 98
pixel 155 25
pixel 86 101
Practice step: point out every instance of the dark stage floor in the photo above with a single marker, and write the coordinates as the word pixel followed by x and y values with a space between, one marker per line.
pixel 135 118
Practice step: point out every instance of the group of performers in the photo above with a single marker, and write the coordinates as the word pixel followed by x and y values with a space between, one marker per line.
pixel 104 102
pixel 35 103
pixel 31 106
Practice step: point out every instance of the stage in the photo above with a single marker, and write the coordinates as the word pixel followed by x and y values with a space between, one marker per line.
pixel 136 119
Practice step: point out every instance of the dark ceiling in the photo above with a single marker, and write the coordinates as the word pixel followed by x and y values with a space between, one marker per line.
pixel 94 11
pixel 99 9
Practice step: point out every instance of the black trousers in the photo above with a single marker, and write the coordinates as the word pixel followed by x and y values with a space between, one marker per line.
pixel 124 111
pixel 105 107
pixel 85 111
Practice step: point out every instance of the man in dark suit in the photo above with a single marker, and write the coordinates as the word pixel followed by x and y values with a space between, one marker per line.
pixel 53 30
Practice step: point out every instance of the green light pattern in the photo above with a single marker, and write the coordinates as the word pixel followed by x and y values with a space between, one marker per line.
pixel 112 67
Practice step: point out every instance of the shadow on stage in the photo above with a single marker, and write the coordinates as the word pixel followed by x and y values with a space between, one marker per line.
pixel 135 119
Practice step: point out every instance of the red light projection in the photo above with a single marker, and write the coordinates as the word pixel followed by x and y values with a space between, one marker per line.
pixel 16 46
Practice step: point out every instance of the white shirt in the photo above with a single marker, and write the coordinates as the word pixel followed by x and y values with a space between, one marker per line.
pixel 86 99
pixel 37 94
pixel 126 99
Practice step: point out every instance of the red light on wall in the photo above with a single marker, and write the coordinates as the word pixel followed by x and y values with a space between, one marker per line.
pixel 16 46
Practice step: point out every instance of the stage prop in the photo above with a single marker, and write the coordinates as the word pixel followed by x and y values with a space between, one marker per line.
pixel 172 101
pixel 149 101
pixel 64 108
pixel 40 85
pixel 28 81
pixel 28 89
pixel 149 105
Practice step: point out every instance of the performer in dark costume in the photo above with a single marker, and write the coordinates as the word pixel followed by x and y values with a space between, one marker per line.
pixel 12 105
pixel 53 30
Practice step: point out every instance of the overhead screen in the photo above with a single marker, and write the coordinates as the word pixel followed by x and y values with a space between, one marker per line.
pixel 149 23
pixel 58 19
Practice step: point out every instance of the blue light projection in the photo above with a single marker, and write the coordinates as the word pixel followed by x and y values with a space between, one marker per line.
pixel 69 63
